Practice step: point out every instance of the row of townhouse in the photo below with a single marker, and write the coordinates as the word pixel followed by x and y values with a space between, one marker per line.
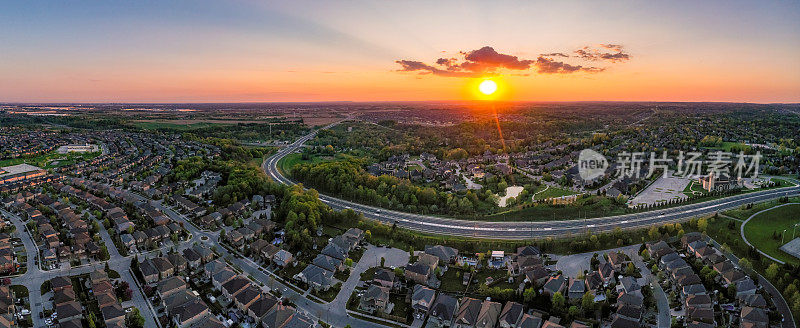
pixel 8 260
pixel 444 310
pixel 105 295
pixel 261 309
pixel 696 299
pixel 237 209
pixel 319 274
pixel 161 267
pixel 189 207
pixel 67 308
pixel 54 245
pixel 17 178
pixel 250 232
pixel 8 310
pixel 114 213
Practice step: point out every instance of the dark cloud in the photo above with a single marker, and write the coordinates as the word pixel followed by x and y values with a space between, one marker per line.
pixel 615 57
pixel 444 61
pixel 555 54
pixel 550 66
pixel 475 63
pixel 486 60
pixel 615 47
pixel 412 66
pixel 595 54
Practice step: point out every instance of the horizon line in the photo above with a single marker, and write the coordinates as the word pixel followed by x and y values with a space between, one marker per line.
pixel 389 101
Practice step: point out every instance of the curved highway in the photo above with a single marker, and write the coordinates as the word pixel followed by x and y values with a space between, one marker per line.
pixel 526 229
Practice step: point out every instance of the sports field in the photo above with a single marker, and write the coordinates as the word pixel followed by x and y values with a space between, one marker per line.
pixel 765 229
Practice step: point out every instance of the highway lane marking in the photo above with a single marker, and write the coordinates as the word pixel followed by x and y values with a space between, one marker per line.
pixel 401 217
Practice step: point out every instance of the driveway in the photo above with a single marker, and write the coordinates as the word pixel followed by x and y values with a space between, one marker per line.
pixel 662 303
pixel 34 277
pixel 574 265
pixel 303 304
pixel 394 257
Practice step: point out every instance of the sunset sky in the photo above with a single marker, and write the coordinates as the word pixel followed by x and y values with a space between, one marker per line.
pixel 231 51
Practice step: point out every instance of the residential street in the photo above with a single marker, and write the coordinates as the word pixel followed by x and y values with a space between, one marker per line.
pixel 574 265
pixel 316 310
pixel 372 258
pixel 776 295
pixel 35 277
pixel 662 303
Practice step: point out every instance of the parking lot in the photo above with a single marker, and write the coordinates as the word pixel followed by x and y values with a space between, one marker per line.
pixel 662 190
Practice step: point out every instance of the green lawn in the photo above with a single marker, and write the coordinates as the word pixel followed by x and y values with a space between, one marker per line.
pixel 289 161
pixel 743 212
pixel 500 279
pixel 553 192
pixel 155 125
pixel 693 188
pixel 414 167
pixel 328 295
pixel 51 160
pixel 729 146
pixel 20 291
pixel 452 280
pixel 591 206
pixel 761 230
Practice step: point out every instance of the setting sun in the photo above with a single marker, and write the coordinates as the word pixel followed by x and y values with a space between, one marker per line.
pixel 487 87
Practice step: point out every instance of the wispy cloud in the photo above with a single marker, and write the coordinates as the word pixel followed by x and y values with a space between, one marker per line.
pixel 608 52
pixel 487 61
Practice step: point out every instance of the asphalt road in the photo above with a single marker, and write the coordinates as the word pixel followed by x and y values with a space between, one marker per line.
pixel 526 229
pixel 323 311
pixel 34 276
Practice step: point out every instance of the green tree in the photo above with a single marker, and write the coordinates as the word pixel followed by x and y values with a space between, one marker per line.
pixel 90 320
pixel 772 271
pixel 745 264
pixel 134 319
pixel 796 305
pixel 630 269
pixel 702 224
pixel 573 311
pixel 104 253
pixel 529 294
pixel 558 302
pixel 587 303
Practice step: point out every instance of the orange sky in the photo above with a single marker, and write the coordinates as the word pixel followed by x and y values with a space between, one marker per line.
pixel 214 51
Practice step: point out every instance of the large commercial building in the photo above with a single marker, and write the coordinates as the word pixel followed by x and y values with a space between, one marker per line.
pixel 20 172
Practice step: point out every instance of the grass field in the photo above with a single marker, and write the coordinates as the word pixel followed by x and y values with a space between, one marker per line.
pixel 760 230
pixel 452 280
pixel 175 126
pixel 547 212
pixel 728 146
pixel 694 188
pixel 287 162
pixel 51 160
pixel 553 192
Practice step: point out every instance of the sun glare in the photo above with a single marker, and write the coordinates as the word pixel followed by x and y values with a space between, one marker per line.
pixel 487 87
